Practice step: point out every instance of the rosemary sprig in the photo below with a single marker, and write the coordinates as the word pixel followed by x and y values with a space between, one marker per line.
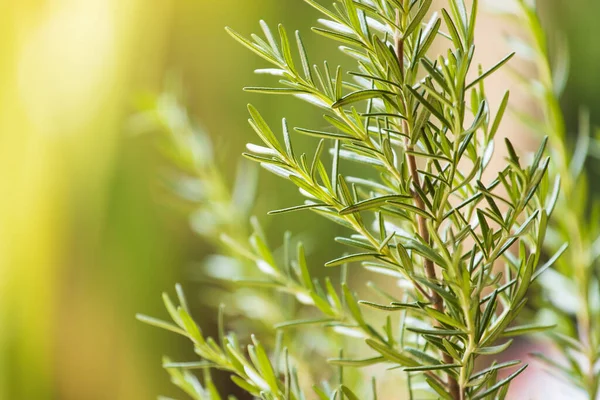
pixel 419 211
pixel 576 272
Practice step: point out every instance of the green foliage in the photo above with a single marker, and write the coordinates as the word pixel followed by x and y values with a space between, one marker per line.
pixel 420 210
pixel 571 290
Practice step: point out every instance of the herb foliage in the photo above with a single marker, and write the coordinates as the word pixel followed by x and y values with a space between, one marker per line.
pixel 464 249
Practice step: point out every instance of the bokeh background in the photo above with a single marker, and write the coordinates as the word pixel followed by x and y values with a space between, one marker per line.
pixel 87 237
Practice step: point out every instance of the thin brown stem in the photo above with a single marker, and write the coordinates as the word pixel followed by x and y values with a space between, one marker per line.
pixel 428 265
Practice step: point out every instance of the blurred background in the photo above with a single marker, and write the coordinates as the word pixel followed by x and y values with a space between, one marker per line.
pixel 87 237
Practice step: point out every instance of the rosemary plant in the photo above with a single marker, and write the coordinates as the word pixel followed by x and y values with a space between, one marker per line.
pixel 464 250
pixel 572 288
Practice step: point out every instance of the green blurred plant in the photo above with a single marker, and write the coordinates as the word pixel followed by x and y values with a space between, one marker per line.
pixel 571 290
pixel 419 211
pixel 218 215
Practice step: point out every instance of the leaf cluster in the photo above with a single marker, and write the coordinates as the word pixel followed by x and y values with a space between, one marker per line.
pixel 570 291
pixel 421 210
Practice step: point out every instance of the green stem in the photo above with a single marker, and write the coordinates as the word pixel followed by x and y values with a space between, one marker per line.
pixel 570 219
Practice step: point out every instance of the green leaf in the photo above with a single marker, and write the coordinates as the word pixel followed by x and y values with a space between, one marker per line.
pixel 436 332
pixel 423 357
pixel 181 298
pixel 245 385
pixel 171 309
pixel 512 154
pixel 493 368
pixel 262 129
pixel 190 327
pixel 298 208
pixel 540 270
pixel 428 38
pixel 253 47
pixel 352 305
pixel 411 208
pixel 270 90
pixel 526 330
pixel 391 354
pixel 332 295
pixel 304 272
pixel 270 38
pixel 375 78
pixel 440 390
pixel 391 307
pixel 304 58
pixel 160 324
pixel 286 49
pixel 451 349
pixel 324 11
pixel 189 365
pixel 361 95
pixel 340 37
pixel 298 322
pixel 349 393
pixel 567 342
pixel 351 258
pixel 499 115
pixel 490 350
pixel 490 71
pixel 322 395
pixel 551 203
pixel 316 160
pixel 425 251
pixel 365 362
pixel 355 242
pixel 498 385
pixel 386 241
pixel 429 106
pixel 440 157
pixel 453 30
pixel 338 83
pixel 488 313
pixel 340 125
pixel 444 319
pixel 431 367
pixel 418 18
pixel 325 135
pixel 372 203
pixel 264 365
pixel 255 283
